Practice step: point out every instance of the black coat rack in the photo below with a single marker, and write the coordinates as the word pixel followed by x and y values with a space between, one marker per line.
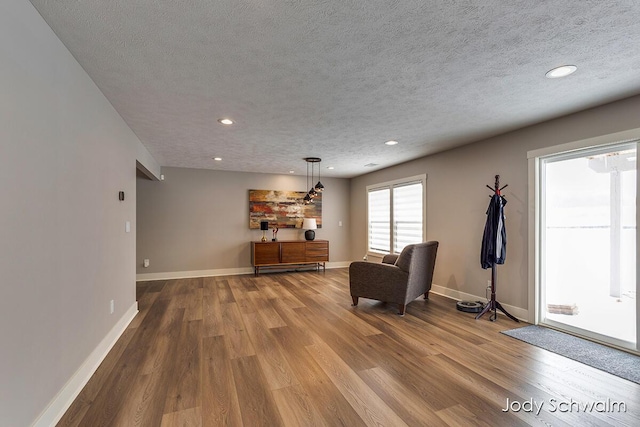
pixel 493 304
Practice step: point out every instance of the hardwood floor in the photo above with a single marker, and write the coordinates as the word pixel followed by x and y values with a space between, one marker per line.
pixel 288 349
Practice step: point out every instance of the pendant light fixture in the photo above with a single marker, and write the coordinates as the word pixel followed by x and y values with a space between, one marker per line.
pixel 318 188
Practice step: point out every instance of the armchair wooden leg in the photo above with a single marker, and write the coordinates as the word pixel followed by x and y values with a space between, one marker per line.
pixel 355 301
pixel 401 308
pixel 426 295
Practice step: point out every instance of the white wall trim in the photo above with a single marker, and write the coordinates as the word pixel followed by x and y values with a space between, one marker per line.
pixel 65 397
pixel 216 272
pixel 598 141
pixel 456 295
pixel 339 264
pixel 167 275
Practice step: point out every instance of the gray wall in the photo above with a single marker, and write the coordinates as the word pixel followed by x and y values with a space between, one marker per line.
pixel 457 198
pixel 198 219
pixel 64 155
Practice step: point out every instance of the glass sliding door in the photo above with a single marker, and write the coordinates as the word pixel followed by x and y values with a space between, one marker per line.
pixel 587 243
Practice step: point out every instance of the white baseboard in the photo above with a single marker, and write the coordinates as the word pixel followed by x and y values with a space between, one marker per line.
pixel 339 264
pixel 216 272
pixel 65 397
pixel 167 275
pixel 454 294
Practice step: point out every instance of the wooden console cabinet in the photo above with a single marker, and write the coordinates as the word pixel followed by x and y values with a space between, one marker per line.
pixel 289 252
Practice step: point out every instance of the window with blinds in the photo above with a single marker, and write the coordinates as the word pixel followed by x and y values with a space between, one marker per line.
pixel 380 220
pixel 395 213
pixel 407 215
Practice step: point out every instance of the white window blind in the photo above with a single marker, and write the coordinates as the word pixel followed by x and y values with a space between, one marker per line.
pixel 395 215
pixel 407 215
pixel 379 220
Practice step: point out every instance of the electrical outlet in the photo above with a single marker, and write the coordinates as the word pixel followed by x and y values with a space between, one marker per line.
pixel 145 263
pixel 488 284
pixel 112 306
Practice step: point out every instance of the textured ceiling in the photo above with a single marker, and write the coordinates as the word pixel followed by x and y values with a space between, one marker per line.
pixel 337 78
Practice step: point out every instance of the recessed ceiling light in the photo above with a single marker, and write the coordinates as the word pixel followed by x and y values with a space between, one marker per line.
pixel 330 167
pixel 225 121
pixel 292 171
pixel 562 71
pixel 217 159
pixel 391 143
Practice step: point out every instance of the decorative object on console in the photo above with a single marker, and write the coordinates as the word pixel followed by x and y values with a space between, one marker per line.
pixel 309 224
pixel 275 234
pixel 264 226
pixel 282 209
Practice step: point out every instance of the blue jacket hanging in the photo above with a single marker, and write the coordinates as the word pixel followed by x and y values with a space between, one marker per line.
pixel 494 239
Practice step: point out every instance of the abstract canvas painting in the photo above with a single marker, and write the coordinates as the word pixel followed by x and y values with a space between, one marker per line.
pixel 283 209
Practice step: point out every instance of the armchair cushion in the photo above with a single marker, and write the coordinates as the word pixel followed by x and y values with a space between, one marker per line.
pixel 390 259
pixel 404 260
pixel 365 277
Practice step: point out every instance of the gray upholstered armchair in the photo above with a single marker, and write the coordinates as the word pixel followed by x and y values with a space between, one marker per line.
pixel 398 279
